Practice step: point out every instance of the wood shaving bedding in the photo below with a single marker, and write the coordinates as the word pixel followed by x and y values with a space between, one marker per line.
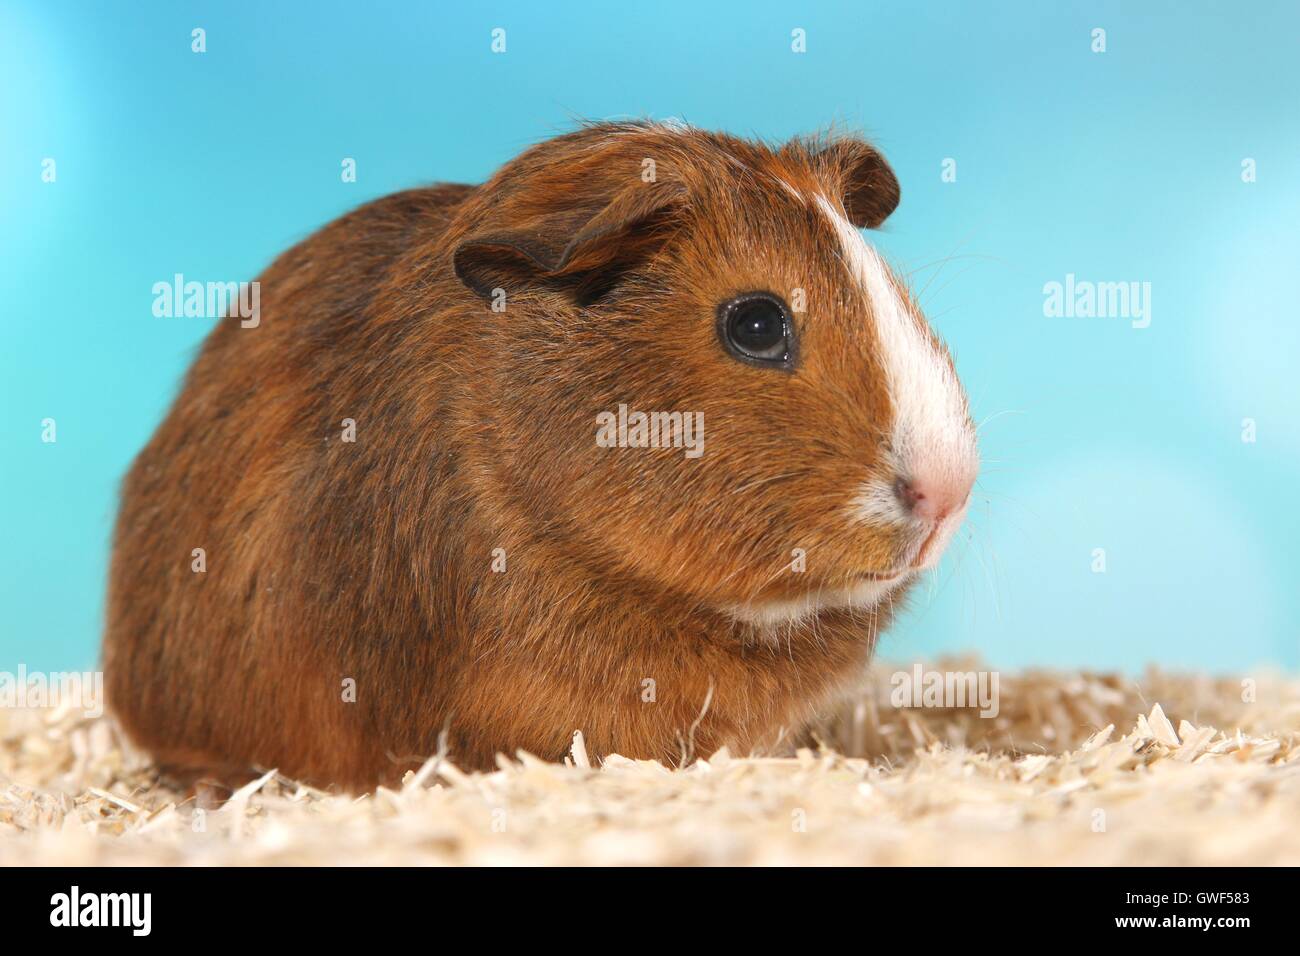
pixel 1075 769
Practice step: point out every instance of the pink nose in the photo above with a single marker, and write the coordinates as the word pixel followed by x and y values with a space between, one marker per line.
pixel 933 499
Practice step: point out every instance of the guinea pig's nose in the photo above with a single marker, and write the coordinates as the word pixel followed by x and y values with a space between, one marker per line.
pixel 931 499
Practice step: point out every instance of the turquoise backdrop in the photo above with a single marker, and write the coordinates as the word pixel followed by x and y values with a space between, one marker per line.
pixel 1130 164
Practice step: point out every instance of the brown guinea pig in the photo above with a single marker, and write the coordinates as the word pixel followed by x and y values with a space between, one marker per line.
pixel 454 486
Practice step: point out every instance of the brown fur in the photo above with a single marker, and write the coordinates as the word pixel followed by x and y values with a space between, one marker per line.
pixel 372 560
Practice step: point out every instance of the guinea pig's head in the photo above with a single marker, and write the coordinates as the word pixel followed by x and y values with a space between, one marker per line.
pixel 700 375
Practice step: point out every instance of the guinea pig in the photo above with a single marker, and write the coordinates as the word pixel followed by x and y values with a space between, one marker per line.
pixel 640 438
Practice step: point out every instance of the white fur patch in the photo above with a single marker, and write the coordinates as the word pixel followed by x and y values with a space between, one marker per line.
pixel 863 595
pixel 931 429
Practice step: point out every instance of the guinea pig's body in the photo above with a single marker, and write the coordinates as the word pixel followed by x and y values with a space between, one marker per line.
pixel 410 532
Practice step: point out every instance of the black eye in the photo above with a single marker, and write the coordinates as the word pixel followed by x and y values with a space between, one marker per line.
pixel 756 329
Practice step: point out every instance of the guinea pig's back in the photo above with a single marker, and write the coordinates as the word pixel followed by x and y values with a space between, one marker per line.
pixel 234 569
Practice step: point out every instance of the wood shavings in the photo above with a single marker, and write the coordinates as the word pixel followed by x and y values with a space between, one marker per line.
pixel 579 750
pixel 1162 729
pixel 868 784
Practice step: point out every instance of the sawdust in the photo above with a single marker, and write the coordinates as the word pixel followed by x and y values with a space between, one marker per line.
pixel 1074 769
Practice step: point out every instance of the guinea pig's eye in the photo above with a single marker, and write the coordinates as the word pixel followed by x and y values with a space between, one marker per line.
pixel 755 328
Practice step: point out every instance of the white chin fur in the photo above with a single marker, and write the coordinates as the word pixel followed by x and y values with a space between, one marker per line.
pixel 862 596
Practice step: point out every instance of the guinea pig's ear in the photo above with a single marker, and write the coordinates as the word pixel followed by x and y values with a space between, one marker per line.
pixel 868 187
pixel 582 242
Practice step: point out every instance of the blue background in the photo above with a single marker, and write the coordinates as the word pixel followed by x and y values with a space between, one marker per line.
pixel 1117 166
